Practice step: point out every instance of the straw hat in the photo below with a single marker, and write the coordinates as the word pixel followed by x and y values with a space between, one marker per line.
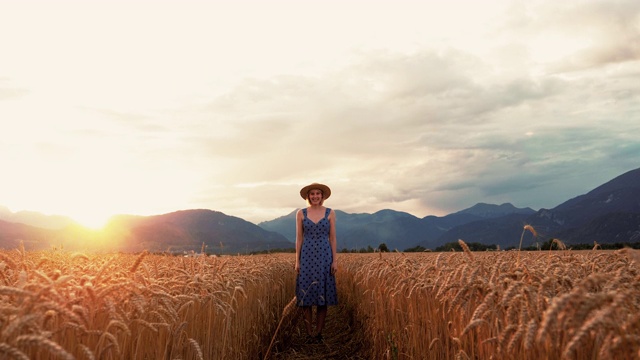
pixel 326 192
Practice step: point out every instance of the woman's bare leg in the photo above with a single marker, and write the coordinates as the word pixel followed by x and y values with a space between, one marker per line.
pixel 307 319
pixel 321 315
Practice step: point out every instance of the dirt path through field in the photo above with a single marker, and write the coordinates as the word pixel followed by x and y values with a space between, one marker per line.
pixel 343 338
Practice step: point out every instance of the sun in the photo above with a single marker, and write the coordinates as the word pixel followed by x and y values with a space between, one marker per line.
pixel 95 220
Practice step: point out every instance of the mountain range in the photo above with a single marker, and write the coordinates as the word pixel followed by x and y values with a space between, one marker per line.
pixel 398 230
pixel 183 231
pixel 36 219
pixel 609 213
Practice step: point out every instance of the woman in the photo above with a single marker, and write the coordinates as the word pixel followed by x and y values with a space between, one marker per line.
pixel 316 257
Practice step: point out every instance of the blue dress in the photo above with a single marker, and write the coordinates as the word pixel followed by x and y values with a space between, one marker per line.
pixel 315 284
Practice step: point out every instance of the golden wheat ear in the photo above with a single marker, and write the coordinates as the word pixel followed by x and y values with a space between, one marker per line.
pixel 466 249
pixel 633 255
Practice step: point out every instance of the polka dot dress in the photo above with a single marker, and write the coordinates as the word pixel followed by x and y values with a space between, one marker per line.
pixel 315 284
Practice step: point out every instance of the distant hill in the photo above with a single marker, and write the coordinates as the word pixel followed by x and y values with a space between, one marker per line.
pixel 32 237
pixel 620 195
pixel 398 230
pixel 606 229
pixel 455 226
pixel 394 228
pixel 285 225
pixel 607 214
pixel 504 231
pixel 36 219
pixel 181 231
pixel 488 211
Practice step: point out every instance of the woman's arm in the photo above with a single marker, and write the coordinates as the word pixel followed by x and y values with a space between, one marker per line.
pixel 333 241
pixel 299 238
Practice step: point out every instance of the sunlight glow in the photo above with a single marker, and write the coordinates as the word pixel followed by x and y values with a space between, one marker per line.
pixel 554 47
pixel 93 220
pixel 212 104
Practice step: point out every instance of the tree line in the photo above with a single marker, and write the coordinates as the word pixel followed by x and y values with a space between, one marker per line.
pixel 475 246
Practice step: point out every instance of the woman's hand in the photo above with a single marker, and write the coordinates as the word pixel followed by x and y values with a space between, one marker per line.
pixel 297 267
pixel 334 268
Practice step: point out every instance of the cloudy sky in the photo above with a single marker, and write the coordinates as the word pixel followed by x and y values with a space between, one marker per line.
pixel 428 107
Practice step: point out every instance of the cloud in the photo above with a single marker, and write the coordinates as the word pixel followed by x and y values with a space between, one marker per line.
pixel 575 36
pixel 7 90
pixel 414 106
pixel 390 128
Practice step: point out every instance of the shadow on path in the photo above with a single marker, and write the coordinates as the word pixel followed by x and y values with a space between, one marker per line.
pixel 343 337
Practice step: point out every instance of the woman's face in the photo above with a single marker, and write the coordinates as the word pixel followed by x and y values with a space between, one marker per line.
pixel 315 197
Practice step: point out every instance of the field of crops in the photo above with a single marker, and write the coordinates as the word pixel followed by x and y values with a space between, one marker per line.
pixel 500 305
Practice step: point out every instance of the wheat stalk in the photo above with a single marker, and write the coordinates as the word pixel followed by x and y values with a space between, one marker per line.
pixel 12 352
pixel 289 309
pixel 138 261
pixel 40 342
pixel 525 229
pixel 196 347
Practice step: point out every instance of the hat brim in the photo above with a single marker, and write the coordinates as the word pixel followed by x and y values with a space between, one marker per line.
pixel 326 191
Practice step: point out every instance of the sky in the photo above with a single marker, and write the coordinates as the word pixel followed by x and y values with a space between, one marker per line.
pixel 428 107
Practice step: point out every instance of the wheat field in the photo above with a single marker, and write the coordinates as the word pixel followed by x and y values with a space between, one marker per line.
pixel 501 305
pixel 456 305
pixel 58 305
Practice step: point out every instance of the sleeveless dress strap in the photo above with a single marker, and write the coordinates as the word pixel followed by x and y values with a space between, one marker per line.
pixel 304 212
pixel 326 213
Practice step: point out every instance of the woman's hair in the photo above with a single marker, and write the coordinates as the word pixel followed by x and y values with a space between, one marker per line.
pixel 321 201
